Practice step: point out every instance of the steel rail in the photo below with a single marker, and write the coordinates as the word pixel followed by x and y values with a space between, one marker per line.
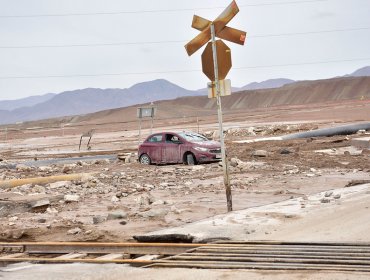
pixel 229 255
pixel 95 247
pixel 259 266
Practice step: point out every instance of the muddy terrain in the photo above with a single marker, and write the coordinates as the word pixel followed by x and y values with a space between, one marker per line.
pixel 113 197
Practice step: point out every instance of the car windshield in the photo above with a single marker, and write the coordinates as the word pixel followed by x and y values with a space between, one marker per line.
pixel 193 137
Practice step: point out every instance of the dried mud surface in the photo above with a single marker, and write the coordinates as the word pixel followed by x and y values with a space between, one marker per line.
pixel 121 199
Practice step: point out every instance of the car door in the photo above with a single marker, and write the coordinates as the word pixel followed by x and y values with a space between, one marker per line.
pixel 171 148
pixel 153 147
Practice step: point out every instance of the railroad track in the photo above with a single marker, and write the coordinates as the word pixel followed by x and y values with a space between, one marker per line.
pixel 226 255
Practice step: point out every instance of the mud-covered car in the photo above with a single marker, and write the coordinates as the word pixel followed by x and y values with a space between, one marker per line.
pixel 183 147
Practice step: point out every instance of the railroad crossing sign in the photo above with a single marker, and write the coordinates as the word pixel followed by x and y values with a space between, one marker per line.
pixel 216 63
pixel 221 30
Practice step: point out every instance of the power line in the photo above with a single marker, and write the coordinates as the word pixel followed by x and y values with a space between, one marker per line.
pixel 182 71
pixel 156 11
pixel 178 41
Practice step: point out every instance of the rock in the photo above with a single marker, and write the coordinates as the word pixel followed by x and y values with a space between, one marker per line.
pixel 115 199
pixel 23 168
pixel 130 158
pixel 259 153
pixel 234 162
pixel 337 196
pixel 51 210
pixel 325 200
pixel 67 168
pixel 117 215
pixel 123 222
pixel 154 213
pixel 45 169
pixel 13 234
pixel 74 231
pixel 59 184
pixel 119 194
pixel 40 204
pixel 13 219
pixel 287 151
pixel 328 193
pixel 158 202
pixel 99 219
pixel 41 220
pixel 38 189
pixel 145 199
pixel 71 198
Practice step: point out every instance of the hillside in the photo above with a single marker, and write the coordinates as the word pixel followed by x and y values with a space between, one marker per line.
pixel 299 93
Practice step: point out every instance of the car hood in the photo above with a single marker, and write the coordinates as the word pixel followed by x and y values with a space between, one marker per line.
pixel 208 144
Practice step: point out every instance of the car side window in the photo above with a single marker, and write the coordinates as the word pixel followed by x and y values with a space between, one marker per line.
pixel 170 138
pixel 155 138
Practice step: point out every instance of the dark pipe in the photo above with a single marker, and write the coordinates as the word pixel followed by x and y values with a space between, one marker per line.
pixel 339 130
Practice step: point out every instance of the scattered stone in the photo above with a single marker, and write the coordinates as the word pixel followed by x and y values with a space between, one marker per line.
pixel 45 169
pixel 145 199
pixel 23 168
pixel 41 220
pixel 356 182
pixel 114 199
pixel 40 205
pixel 117 215
pixel 287 151
pixel 259 153
pixel 158 202
pixel 13 234
pixel 99 219
pixel 325 200
pixel 51 210
pixel 337 196
pixel 13 219
pixel 71 198
pixel 38 189
pixel 74 231
pixel 59 184
pixel 328 193
pixel 123 223
pixel 154 213
pixel 67 168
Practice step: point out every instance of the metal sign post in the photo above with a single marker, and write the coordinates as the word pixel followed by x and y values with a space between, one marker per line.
pixel 146 112
pixel 220 126
pixel 217 52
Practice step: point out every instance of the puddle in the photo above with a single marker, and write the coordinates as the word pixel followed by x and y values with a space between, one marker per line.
pixel 46 162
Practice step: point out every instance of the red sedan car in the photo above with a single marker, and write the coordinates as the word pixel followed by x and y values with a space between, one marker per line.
pixel 184 147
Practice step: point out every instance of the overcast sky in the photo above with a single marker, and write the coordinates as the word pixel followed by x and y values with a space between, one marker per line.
pixel 121 43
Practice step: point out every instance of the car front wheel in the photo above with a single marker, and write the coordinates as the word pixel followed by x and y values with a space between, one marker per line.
pixel 145 159
pixel 190 160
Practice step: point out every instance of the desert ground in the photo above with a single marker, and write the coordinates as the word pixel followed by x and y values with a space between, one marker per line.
pixel 116 198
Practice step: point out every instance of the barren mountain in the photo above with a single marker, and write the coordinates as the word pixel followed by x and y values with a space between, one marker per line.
pixel 365 71
pixel 90 100
pixel 268 93
pixel 24 102
pixel 335 90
